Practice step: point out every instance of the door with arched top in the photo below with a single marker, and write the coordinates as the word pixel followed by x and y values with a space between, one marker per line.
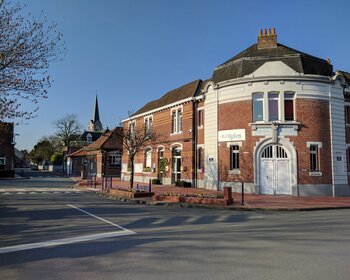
pixel 275 171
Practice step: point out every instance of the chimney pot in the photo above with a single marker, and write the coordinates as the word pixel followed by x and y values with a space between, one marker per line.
pixel 267 38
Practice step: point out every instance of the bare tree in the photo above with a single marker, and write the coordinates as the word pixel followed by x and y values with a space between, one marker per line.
pixel 134 140
pixel 68 129
pixel 27 47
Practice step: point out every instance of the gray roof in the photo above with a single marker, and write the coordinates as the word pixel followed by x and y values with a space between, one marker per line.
pixel 183 92
pixel 252 58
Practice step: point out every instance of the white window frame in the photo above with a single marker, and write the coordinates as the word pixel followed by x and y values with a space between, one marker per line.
pixel 200 111
pixel 148 122
pixel 280 101
pixel 310 144
pixel 115 158
pixel 176 123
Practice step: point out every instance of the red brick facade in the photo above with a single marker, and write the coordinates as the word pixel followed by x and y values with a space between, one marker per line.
pixel 6 149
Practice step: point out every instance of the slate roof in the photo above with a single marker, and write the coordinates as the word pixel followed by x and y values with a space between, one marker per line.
pixel 346 75
pixel 183 92
pixel 95 135
pixel 100 143
pixel 252 58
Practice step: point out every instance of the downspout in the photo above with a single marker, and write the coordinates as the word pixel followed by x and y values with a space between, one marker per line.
pixel 194 142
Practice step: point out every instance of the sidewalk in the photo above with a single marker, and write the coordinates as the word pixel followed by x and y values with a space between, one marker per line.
pixel 251 201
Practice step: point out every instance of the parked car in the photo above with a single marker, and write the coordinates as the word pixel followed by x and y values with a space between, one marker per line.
pixel 34 167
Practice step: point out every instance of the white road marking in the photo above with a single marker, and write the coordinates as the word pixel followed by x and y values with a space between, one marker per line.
pixel 70 240
pixel 97 217
pixel 63 241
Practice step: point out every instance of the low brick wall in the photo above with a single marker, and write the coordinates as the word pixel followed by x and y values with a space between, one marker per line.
pixel 127 194
pixel 192 200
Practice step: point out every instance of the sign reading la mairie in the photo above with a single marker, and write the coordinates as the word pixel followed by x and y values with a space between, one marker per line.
pixel 231 135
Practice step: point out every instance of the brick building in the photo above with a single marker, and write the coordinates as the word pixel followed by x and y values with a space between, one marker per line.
pixel 7 149
pixel 101 158
pixel 272 117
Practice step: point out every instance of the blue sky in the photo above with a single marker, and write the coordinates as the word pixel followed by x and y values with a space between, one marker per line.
pixel 133 51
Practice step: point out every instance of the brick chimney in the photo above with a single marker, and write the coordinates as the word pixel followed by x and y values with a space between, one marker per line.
pixel 267 39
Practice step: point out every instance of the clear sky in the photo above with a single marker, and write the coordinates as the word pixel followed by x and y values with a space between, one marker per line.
pixel 133 51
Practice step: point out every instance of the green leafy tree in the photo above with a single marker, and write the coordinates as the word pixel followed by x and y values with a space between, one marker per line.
pixel 42 151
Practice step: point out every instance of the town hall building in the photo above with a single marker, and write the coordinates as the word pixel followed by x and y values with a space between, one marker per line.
pixel 272 117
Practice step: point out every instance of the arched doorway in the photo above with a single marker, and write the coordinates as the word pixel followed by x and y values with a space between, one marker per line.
pixel 275 170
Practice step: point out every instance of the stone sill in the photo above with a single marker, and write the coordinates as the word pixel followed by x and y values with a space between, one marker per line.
pixel 315 173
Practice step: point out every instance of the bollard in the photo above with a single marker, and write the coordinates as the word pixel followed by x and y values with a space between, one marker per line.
pixel 228 195
pixel 242 193
pixel 149 188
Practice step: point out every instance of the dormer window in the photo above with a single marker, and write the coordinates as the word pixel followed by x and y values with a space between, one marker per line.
pixel 89 138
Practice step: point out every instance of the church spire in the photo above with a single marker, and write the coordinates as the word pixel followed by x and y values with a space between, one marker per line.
pixel 95 123
pixel 96 116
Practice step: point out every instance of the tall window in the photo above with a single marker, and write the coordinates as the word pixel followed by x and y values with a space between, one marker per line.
pixel 148 124
pixel 200 118
pixel 289 106
pixel 148 158
pixel 347 114
pixel 200 158
pixel 176 121
pixel 258 107
pixel 132 127
pixel 234 157
pixel 314 158
pixel 273 106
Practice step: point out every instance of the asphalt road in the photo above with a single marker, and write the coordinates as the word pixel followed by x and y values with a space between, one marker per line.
pixel 65 234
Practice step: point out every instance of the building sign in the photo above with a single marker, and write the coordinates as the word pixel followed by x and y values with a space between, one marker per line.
pixel 231 135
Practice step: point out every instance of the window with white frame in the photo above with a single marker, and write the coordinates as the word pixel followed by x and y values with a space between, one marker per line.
pixel 314 164
pixel 115 158
pixel 148 159
pixel 289 106
pixel 200 118
pixel 148 124
pixel 273 106
pixel 234 157
pixel 132 125
pixel 89 138
pixel 258 107
pixel 176 121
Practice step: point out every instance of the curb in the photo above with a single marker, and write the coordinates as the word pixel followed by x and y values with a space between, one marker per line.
pixel 214 207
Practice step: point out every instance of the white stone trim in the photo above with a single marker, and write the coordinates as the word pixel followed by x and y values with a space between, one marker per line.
pixel 309 143
pixel 176 144
pixel 238 143
pixel 290 149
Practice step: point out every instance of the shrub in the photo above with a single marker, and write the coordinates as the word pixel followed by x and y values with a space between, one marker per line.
pixel 183 184
pixel 156 182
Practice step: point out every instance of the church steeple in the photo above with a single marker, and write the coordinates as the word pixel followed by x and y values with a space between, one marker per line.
pixel 95 124
pixel 96 116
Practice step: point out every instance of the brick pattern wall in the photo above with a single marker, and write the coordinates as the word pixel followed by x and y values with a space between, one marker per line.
pixel 162 122
pixel 315 126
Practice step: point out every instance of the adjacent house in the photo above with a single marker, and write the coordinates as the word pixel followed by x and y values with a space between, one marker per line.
pixel 271 116
pixel 101 158
pixel 7 146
